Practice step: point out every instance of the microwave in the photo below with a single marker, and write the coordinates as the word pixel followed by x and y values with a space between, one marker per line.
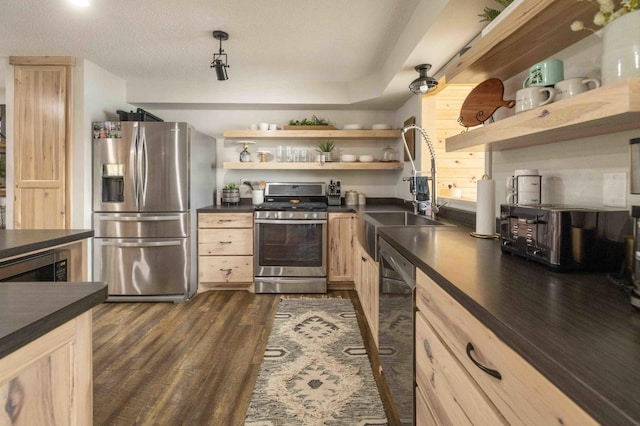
pixel 50 266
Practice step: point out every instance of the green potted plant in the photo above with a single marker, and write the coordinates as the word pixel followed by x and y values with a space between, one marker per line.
pixel 326 148
pixel 230 194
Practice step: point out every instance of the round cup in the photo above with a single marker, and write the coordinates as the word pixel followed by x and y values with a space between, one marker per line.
pixel 263 126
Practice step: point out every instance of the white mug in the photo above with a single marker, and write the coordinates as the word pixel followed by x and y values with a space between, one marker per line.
pixel 273 127
pixel 263 126
pixel 533 97
pixel 529 198
pixel 511 180
pixel 526 198
pixel 254 126
pixel 573 86
pixel 528 183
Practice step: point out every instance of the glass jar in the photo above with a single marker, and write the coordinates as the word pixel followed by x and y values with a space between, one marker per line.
pixel 388 154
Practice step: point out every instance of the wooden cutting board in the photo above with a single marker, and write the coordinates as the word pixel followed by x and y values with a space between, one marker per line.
pixel 482 102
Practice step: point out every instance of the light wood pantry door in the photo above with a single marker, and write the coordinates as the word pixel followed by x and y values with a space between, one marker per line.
pixel 42 131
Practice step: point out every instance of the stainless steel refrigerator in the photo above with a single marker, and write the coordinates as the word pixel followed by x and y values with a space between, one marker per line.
pixel 148 180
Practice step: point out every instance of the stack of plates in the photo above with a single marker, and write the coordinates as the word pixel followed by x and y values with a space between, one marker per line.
pixel 381 127
pixel 352 127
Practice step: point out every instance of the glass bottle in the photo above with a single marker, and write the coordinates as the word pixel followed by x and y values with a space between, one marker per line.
pixel 245 156
pixel 388 154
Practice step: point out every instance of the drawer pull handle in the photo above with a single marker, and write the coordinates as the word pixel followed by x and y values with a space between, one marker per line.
pixel 489 371
pixel 224 220
pixel 364 259
pixel 225 242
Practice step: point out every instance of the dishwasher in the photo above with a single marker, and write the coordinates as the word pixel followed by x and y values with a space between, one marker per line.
pixel 396 329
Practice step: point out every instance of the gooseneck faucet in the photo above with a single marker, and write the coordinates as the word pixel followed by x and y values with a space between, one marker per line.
pixel 432 153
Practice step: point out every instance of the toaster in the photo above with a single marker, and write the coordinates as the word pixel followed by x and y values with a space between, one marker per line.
pixel 566 238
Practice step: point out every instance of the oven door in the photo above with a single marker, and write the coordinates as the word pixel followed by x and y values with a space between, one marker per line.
pixel 290 248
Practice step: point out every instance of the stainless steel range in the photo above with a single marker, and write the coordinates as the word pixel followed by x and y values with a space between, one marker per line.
pixel 290 238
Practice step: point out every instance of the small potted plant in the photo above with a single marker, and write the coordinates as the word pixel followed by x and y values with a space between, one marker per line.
pixel 230 194
pixel 326 149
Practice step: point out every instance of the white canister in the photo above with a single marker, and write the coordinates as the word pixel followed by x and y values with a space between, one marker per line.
pixel 351 198
pixel 257 196
pixel 362 198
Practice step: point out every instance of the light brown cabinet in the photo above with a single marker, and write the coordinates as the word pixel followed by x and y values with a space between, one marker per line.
pixel 367 287
pixel 42 135
pixel 451 344
pixel 225 251
pixel 50 380
pixel 341 250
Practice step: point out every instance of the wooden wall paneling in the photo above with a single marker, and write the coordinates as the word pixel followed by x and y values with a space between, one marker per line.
pixel 462 170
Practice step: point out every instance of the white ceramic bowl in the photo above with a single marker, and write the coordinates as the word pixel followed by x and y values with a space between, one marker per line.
pixel 347 158
pixel 352 127
pixel 365 158
pixel 381 127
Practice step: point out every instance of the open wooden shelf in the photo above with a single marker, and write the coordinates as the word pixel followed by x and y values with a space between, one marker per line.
pixel 375 165
pixel 312 134
pixel 608 109
pixel 533 31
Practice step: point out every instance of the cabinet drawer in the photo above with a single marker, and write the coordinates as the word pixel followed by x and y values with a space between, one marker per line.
pixel 225 220
pixel 230 269
pixel 423 412
pixel 522 395
pixel 225 242
pixel 453 397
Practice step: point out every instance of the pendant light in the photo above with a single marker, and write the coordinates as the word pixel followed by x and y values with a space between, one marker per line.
pixel 218 63
pixel 424 83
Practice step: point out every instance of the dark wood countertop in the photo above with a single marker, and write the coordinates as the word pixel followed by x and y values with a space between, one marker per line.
pixel 30 310
pixel 18 241
pixel 578 329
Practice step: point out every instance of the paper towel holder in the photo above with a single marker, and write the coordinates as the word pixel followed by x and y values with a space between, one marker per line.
pixel 484 236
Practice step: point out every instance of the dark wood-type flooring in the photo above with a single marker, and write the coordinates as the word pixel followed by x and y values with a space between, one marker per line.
pixel 193 363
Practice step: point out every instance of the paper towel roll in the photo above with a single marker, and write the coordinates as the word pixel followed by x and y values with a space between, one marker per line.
pixel 485 207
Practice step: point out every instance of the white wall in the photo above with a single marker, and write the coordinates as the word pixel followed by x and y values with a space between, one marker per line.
pixel 213 122
pixel 97 95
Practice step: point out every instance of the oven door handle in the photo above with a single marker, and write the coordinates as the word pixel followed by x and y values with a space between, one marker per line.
pixel 292 222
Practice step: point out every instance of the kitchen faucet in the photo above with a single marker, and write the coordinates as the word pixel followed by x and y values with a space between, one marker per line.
pixel 413 179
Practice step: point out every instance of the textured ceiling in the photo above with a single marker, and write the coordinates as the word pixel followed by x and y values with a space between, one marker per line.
pixel 320 41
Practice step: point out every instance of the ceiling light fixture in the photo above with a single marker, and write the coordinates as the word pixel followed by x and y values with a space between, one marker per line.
pixel 82 3
pixel 218 63
pixel 424 83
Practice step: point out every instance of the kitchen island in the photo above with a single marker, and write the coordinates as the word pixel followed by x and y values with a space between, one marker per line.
pixel 46 352
pixel 577 329
pixel 16 244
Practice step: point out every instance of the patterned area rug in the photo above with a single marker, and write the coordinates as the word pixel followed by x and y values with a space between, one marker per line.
pixel 315 370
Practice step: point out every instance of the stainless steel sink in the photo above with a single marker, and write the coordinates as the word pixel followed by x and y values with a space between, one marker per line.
pixel 372 221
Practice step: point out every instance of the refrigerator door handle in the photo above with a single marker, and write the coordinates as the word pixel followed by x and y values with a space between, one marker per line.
pixel 143 162
pixel 150 244
pixel 133 157
pixel 137 218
